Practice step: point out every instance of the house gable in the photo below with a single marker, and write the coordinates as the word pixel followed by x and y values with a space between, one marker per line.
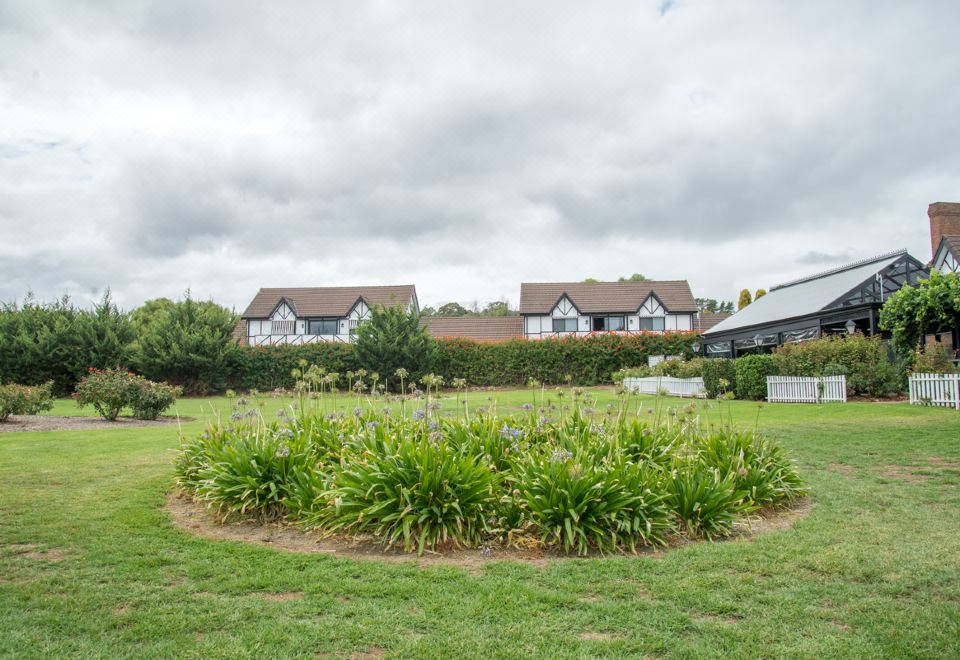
pixel 947 258
pixel 565 308
pixel 652 307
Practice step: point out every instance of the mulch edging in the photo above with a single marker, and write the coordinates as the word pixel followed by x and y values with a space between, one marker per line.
pixel 22 423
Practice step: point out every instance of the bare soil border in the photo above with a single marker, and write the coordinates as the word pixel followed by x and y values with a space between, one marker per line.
pixel 194 517
pixel 21 423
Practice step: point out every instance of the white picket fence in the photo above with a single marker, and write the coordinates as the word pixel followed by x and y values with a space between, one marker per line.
pixel 796 389
pixel 935 390
pixel 682 387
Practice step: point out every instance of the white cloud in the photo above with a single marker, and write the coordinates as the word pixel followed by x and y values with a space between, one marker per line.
pixel 156 146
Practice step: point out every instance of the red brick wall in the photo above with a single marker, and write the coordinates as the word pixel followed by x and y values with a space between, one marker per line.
pixel 944 220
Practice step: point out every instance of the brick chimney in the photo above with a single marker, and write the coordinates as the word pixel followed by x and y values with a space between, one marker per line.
pixel 944 221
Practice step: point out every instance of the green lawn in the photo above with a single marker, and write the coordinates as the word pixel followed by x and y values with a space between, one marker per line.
pixel 91 565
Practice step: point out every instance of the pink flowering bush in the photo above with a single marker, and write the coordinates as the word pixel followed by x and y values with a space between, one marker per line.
pixel 109 391
pixel 24 399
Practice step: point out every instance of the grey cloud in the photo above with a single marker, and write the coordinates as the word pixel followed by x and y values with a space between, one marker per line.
pixel 365 139
pixel 824 258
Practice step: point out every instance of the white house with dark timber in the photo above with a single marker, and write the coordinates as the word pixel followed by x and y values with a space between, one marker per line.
pixel 312 314
pixel 582 308
pixel 945 236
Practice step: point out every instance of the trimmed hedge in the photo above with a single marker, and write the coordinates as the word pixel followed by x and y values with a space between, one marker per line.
pixel 590 360
pixel 719 376
pixel 751 375
pixel 865 361
pixel 269 367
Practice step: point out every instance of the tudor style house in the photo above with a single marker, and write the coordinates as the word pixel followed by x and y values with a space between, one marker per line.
pixel 581 308
pixel 312 314
pixel 945 236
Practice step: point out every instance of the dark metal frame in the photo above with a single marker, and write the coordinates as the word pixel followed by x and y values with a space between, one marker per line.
pixel 860 305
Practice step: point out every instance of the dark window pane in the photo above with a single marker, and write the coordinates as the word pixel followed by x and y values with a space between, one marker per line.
pixel 322 327
pixel 564 325
pixel 599 323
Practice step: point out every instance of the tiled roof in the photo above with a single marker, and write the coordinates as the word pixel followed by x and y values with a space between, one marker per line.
pixel 599 297
pixel 239 332
pixel 334 301
pixel 953 245
pixel 483 328
pixel 707 320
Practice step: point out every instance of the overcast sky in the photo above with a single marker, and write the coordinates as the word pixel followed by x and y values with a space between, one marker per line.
pixel 466 146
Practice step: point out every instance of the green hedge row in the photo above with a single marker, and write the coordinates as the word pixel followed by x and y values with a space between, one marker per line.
pixel 588 360
pixel 871 370
pixel 269 367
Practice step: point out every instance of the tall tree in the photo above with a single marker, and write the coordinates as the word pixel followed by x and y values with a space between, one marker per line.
pixel 392 339
pixel 636 277
pixel 497 308
pixel 188 344
pixel 452 309
pixel 759 294
pixel 745 299
pixel 713 305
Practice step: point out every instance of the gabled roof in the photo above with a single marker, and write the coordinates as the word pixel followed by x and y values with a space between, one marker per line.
pixel 481 328
pixel 808 295
pixel 333 301
pixel 707 320
pixel 950 244
pixel 601 297
pixel 239 332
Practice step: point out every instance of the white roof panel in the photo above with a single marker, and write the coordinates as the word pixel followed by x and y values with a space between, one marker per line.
pixel 805 296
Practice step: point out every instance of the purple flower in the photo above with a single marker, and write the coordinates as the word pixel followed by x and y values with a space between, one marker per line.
pixel 560 456
pixel 357 412
pixel 283 451
pixel 527 406
pixel 419 414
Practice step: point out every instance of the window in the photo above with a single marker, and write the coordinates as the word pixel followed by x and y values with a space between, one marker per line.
pixel 607 323
pixel 282 327
pixel 656 323
pixel 564 325
pixel 322 327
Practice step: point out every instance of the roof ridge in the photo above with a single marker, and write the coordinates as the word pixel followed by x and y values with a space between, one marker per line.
pixel 840 269
pixel 339 286
pixel 609 282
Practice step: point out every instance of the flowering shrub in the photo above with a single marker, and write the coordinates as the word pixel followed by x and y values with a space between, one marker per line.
pixel 148 400
pixel 421 480
pixel 24 399
pixel 109 391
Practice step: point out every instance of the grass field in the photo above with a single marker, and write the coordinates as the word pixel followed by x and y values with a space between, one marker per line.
pixel 90 564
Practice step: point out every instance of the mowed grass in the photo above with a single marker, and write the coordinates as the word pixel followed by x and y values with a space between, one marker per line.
pixel 91 565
